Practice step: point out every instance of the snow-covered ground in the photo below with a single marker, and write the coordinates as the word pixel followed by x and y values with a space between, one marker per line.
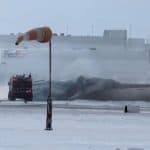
pixel 22 128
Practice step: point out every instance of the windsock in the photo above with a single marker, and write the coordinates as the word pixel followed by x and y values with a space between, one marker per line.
pixel 42 35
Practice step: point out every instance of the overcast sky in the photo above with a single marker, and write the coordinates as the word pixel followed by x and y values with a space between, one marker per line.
pixel 78 17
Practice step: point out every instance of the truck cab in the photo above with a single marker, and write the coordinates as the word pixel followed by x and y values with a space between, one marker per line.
pixel 20 86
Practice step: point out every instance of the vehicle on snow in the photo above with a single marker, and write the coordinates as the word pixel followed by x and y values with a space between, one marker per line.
pixel 20 86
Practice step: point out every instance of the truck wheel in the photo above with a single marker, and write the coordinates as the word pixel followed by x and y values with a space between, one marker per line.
pixel 10 97
pixel 28 99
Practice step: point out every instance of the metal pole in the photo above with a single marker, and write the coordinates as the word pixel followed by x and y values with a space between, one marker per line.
pixel 49 99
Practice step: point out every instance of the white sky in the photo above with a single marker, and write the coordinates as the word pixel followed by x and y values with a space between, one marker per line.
pixel 79 17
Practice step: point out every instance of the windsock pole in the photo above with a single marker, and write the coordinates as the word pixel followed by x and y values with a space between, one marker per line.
pixel 49 99
pixel 42 35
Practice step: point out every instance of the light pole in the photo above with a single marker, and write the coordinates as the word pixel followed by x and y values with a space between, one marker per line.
pixel 42 35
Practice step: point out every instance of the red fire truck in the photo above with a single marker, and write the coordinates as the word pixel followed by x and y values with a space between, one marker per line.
pixel 20 86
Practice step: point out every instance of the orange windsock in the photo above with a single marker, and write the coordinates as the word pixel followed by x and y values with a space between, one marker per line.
pixel 42 35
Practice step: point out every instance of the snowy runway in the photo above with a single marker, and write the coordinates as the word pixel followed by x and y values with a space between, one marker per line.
pixel 73 129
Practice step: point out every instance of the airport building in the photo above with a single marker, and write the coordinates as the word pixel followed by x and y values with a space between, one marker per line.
pixel 110 39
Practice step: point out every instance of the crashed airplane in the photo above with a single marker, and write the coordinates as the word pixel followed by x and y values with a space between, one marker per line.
pixel 93 89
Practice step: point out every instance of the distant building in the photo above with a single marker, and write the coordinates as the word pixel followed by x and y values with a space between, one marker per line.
pixel 19 33
pixel 62 34
pixel 136 43
pixel 55 34
pixel 115 37
pixel 12 34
